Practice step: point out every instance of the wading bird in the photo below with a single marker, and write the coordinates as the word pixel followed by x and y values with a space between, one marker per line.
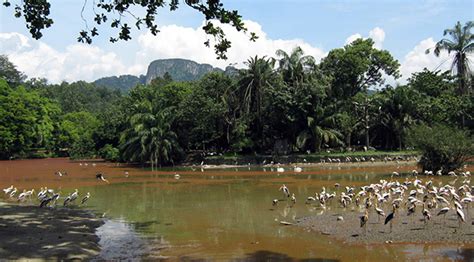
pixel 12 193
pixel 297 169
pixel 379 212
pixel 100 176
pixel 443 212
pixel 45 202
pixel 390 217
pixel 364 219
pixel 60 174
pixel 285 190
pixel 293 198
pixel 88 195
pixel 71 197
pixel 426 214
pixel 8 190
pixel 461 217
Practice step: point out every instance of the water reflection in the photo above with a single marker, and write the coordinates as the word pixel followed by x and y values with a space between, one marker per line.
pixel 119 241
pixel 216 214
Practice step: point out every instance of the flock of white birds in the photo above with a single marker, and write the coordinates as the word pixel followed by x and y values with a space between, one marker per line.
pixel 434 198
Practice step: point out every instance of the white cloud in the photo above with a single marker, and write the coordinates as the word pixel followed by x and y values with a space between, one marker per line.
pixel 416 60
pixel 184 42
pixel 89 62
pixel 352 38
pixel 76 62
pixel 377 34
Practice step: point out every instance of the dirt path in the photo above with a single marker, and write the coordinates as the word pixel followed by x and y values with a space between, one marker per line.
pixel 28 232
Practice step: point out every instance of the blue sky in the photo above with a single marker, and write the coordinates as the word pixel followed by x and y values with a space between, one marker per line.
pixel 405 28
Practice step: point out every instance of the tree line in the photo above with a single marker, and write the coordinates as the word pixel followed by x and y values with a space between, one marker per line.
pixel 276 105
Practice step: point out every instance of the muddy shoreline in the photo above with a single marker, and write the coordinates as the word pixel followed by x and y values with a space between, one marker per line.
pixel 310 165
pixel 31 233
pixel 406 229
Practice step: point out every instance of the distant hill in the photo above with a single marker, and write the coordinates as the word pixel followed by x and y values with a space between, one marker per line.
pixel 179 69
pixel 123 82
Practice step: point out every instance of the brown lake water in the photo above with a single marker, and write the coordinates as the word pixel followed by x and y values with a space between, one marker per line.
pixel 216 214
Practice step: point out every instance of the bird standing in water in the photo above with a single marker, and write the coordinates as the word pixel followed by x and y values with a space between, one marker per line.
pixel 390 217
pixel 379 212
pixel 443 212
pixel 461 217
pixel 426 214
pixel 364 219
pixel 88 195
pixel 285 190
pixel 71 197
pixel 100 176
pixel 293 198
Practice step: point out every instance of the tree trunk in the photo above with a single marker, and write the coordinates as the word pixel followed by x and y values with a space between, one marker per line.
pixel 399 142
pixel 366 111
pixel 348 139
pixel 151 161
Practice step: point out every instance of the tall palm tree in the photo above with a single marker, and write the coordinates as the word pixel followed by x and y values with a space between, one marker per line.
pixel 461 43
pixel 253 82
pixel 293 66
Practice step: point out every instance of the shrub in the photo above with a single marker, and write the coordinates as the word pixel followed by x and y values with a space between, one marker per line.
pixel 442 147
pixel 109 153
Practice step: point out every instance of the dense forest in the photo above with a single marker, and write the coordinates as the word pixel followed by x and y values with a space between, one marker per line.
pixel 276 105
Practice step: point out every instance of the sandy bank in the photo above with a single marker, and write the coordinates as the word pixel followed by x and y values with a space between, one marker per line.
pixel 28 232
pixel 406 229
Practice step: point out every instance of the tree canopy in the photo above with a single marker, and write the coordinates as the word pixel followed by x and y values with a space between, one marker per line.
pixel 461 44
pixel 276 105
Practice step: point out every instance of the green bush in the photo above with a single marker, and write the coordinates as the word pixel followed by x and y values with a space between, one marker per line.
pixel 442 147
pixel 109 153
pixel 82 149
